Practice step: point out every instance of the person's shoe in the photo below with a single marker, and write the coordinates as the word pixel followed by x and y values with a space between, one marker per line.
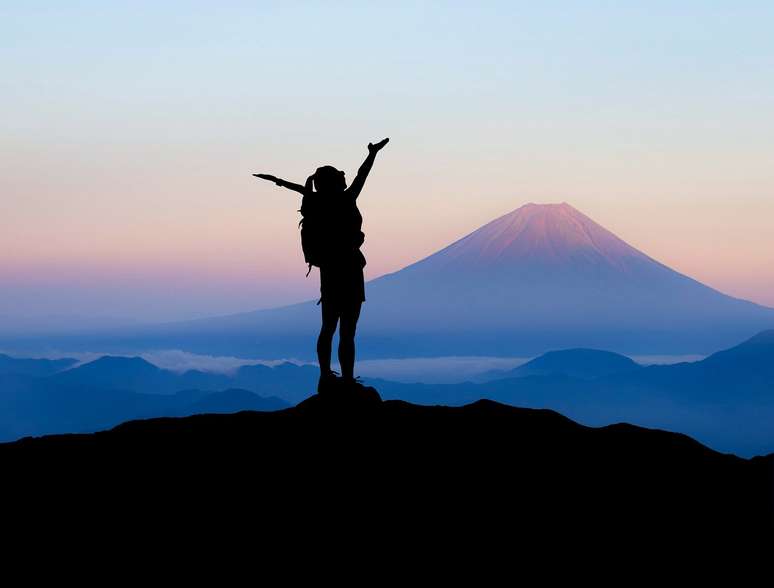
pixel 327 382
pixel 351 384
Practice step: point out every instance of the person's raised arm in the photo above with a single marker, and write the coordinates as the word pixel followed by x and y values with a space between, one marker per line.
pixel 365 168
pixel 289 185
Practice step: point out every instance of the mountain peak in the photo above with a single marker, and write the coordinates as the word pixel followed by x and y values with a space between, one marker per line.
pixel 121 360
pixel 545 234
pixel 118 364
pixel 577 363
pixel 546 206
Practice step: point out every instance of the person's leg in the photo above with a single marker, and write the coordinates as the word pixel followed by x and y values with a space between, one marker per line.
pixel 330 317
pixel 349 316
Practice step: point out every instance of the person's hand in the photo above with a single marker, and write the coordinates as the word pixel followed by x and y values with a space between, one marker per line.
pixel 374 148
pixel 267 177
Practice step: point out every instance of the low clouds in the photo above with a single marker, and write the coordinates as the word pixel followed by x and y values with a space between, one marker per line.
pixel 429 370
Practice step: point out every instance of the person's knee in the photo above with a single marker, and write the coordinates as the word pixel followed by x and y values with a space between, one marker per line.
pixel 347 332
pixel 329 324
pixel 348 329
pixel 326 334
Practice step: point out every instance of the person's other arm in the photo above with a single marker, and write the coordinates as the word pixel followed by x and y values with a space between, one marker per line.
pixel 365 168
pixel 289 185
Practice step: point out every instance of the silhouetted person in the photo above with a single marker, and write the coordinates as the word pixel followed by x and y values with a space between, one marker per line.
pixel 333 238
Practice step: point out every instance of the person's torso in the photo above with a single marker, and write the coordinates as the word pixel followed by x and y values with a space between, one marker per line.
pixel 343 224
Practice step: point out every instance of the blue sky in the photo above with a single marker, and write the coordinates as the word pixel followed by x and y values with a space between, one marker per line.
pixel 129 130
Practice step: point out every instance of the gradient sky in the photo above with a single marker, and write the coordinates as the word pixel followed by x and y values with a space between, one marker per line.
pixel 129 130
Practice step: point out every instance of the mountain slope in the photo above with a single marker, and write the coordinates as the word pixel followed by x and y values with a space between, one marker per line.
pixel 547 276
pixel 541 277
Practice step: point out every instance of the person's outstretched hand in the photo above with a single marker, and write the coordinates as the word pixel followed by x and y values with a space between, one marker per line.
pixel 374 148
pixel 267 177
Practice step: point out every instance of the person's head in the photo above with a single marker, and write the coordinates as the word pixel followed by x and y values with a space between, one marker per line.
pixel 329 179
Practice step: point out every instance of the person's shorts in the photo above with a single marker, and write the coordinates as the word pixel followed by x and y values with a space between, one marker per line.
pixel 342 285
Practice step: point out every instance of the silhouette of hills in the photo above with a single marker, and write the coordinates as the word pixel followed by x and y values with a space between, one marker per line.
pixel 122 372
pixel 12 366
pixel 542 277
pixel 232 400
pixel 576 363
pixel 724 400
pixel 460 472
pixel 39 410
pixel 111 390
pixel 136 374
pixel 139 375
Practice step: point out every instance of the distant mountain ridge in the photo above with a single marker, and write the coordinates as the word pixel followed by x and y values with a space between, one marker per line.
pixel 139 375
pixel 111 390
pixel 33 367
pixel 577 363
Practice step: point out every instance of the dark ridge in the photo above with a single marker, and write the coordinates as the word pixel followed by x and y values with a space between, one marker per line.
pixel 480 468
pixel 762 338
pixel 16 366
pixel 234 400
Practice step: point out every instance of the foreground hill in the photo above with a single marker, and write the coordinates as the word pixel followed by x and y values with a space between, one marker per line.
pixel 725 400
pixel 456 472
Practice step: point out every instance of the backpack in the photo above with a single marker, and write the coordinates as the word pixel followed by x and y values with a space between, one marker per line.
pixel 316 227
pixel 312 225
